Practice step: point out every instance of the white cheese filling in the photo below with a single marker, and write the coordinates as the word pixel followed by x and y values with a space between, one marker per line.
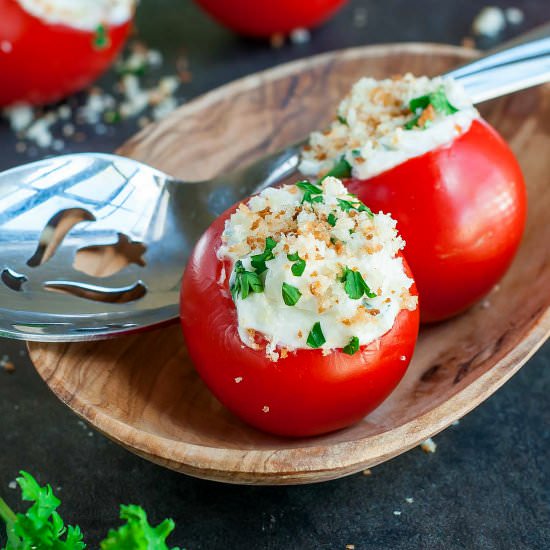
pixel 329 239
pixel 80 14
pixel 370 132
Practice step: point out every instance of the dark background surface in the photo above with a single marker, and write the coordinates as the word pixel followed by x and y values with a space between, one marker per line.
pixel 488 484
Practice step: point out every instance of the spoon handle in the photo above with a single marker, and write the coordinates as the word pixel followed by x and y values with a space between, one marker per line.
pixel 521 63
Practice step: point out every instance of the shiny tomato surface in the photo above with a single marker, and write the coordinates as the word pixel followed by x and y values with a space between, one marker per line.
pixel 41 62
pixel 305 393
pixel 461 210
pixel 268 17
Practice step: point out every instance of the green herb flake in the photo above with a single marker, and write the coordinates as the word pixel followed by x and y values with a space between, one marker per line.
pixel 298 266
pixel 342 120
pixel 245 282
pixel 356 152
pixel 258 260
pixel 352 347
pixel 312 193
pixel 354 284
pixel 356 204
pixel 331 219
pixel 342 169
pixel 438 100
pixel 291 294
pixel 316 338
pixel 101 38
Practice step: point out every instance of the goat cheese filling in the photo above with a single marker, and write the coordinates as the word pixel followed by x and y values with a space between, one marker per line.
pixel 80 14
pixel 313 267
pixel 382 123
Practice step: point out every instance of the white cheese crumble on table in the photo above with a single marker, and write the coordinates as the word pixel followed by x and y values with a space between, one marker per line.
pixel 80 14
pixel 490 21
pixel 370 128
pixel 299 225
pixel 428 446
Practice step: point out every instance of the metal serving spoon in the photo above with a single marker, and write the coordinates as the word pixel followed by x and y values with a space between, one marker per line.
pixel 73 206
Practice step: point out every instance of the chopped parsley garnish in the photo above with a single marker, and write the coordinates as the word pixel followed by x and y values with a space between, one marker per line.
pixel 342 120
pixel 352 347
pixel 331 219
pixel 291 294
pixel 101 38
pixel 312 193
pixel 356 152
pixel 438 100
pixel 316 338
pixel 258 260
pixel 354 204
pixel 342 169
pixel 354 284
pixel 298 266
pixel 245 282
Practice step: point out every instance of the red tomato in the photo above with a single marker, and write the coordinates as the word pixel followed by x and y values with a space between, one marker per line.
pixel 303 394
pixel 41 62
pixel 265 18
pixel 461 210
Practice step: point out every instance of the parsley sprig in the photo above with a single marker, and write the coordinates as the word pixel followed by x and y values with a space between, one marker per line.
pixel 298 266
pixel 341 169
pixel 316 338
pixel 354 204
pixel 352 347
pixel 245 282
pixel 258 260
pixel 354 284
pixel 438 100
pixel 41 525
pixel 291 294
pixel 312 193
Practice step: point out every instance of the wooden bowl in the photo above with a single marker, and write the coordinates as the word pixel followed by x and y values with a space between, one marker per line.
pixel 142 391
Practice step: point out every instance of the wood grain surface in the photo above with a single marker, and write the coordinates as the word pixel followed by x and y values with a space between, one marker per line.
pixel 142 391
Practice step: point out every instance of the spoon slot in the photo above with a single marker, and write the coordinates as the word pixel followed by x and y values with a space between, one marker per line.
pixel 121 295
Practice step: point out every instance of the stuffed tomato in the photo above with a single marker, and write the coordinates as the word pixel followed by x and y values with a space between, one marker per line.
pixel 298 309
pixel 51 48
pixel 418 149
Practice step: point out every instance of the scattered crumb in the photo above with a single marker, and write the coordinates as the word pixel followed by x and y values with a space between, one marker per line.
pixel 265 409
pixel 490 21
pixel 455 423
pixel 514 16
pixel 409 500
pixel 238 379
pixel 277 40
pixel 485 304
pixel 397 512
pixel 90 434
pixel 300 36
pixel 7 365
pixel 12 484
pixel 367 472
pixel 360 17
pixel 403 358
pixel 428 446
pixel 350 546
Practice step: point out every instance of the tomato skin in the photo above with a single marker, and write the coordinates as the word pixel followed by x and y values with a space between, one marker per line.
pixel 48 62
pixel 254 18
pixel 461 210
pixel 307 393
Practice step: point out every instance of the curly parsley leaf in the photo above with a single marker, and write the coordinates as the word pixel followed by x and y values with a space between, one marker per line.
pixel 316 338
pixel 258 260
pixel 438 100
pixel 342 169
pixel 101 38
pixel 312 193
pixel 41 526
pixel 291 294
pixel 342 120
pixel 298 266
pixel 354 204
pixel 137 533
pixel 352 347
pixel 331 219
pixel 245 282
pixel 354 284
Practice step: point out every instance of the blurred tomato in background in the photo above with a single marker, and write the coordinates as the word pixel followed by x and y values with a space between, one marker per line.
pixel 268 17
pixel 52 48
